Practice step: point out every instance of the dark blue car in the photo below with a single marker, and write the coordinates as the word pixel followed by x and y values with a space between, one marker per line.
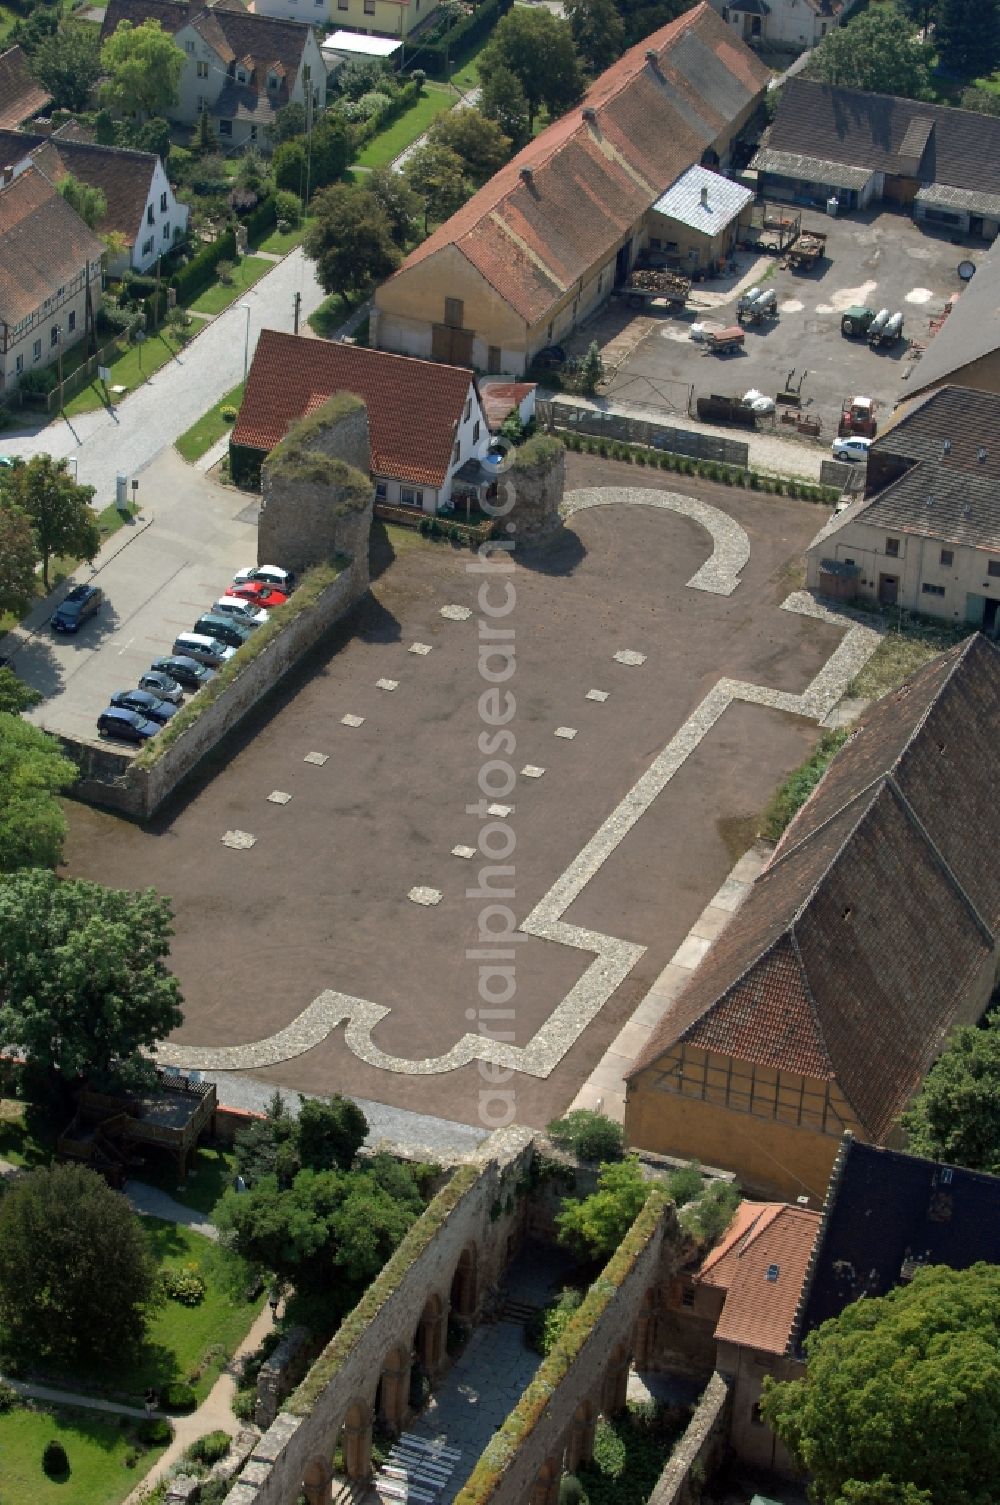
pixel 82 602
pixel 150 706
pixel 127 726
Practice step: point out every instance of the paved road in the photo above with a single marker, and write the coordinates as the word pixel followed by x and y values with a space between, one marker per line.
pixel 128 438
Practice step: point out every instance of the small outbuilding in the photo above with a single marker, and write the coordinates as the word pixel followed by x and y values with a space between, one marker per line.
pixel 697 221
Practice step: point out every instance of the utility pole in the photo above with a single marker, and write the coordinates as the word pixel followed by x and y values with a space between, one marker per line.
pixel 298 305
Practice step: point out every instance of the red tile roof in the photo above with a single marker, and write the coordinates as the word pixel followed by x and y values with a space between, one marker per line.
pixel 500 398
pixel 858 944
pixel 761 1263
pixel 413 406
pixel 123 176
pixel 20 96
pixel 44 244
pixel 591 179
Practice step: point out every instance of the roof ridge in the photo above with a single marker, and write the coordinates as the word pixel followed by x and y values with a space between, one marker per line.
pixel 957 654
pixel 365 351
pixel 810 995
pixel 782 852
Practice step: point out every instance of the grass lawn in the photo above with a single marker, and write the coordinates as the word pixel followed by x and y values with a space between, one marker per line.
pixel 467 77
pixel 219 296
pixel 901 653
pixel 130 371
pixel 280 242
pixel 20 1144
pixel 96 1447
pixel 388 144
pixel 210 427
pixel 329 316
pixel 210 1173
pixel 191 1343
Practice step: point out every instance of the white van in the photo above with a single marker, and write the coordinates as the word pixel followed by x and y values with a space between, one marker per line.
pixel 206 650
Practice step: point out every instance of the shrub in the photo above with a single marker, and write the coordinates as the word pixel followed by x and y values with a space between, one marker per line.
pixel 557 1317
pixel 571 1491
pixel 229 413
pixel 224 270
pixel 185 1286
pixel 154 1431
pixel 210 1448
pixel 609 1450
pixel 9 1398
pixel 39 383
pixel 245 1403
pixel 685 1184
pixel 709 1216
pixel 54 1460
pixel 591 1136
pixel 178 1396
pixel 288 206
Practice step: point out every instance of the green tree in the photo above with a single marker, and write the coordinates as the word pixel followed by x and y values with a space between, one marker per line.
pixel 88 201
pixel 875 51
pixel 143 65
pixel 476 140
pixel 288 122
pixel 501 98
pixel 83 976
pixel 269 1146
pixel 591 1136
pixel 594 1227
pixel 644 16
pixel 204 141
pixel 435 173
pixel 350 240
pixel 884 1491
pixel 967 36
pixel 18 558
pixel 538 49
pixel 901 1388
pixel 33 771
pixel 598 31
pixel 956 1114
pixel 31 31
pixel 591 369
pixel 77 1279
pixel 289 167
pixel 397 200
pixel 331 152
pixel 15 695
pixel 330 1133
pixel 58 507
pixel 68 65
pixel 980 101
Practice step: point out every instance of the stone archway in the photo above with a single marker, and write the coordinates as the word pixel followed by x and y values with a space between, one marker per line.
pixel 644 1343
pixel 356 1440
pixel 394 1388
pixel 317 1482
pixel 430 1335
pixel 615 1389
pixel 580 1446
pixel 545 1490
pixel 464 1298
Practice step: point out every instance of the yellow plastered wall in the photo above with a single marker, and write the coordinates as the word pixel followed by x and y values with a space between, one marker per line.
pixel 408 306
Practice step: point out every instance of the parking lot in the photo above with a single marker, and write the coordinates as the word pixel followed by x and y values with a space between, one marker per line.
pixel 158 574
pixel 360 881
pixel 878 258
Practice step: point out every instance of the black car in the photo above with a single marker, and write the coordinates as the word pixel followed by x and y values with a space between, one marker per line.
pixel 162 686
pixel 150 706
pixel 550 358
pixel 82 602
pixel 224 629
pixel 128 726
pixel 186 671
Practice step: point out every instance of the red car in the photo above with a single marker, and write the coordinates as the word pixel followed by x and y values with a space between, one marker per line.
pixel 259 594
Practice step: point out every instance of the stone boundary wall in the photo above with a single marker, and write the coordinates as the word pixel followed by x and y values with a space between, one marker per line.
pixel 116 780
pixel 573 1375
pixel 462 1214
pixel 699 1451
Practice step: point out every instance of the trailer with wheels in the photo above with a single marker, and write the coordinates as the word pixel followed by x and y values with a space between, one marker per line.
pixel 756 305
pixel 886 332
pixel 724 341
pixel 807 249
pixel 656 285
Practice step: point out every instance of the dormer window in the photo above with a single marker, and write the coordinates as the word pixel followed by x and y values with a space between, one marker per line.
pixel 242 76
pixel 273 82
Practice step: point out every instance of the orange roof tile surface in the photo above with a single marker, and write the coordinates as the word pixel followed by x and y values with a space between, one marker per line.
pixel 413 406
pixel 761 1263
pixel 564 202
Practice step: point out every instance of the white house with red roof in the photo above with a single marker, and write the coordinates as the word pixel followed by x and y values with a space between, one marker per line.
pixel 559 227
pixel 428 431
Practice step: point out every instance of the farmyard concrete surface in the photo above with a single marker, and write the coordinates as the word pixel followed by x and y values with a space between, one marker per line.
pixel 314 912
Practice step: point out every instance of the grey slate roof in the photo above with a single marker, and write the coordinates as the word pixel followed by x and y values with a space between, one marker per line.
pixel 942 196
pixel 971 330
pixel 880 132
pixel 683 202
pixel 948 494
pixel 810 169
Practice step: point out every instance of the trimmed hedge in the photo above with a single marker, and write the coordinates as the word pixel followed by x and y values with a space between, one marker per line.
pixel 711 470
pixel 262 220
pixel 385 1284
pixel 432 57
pixel 398 105
pixel 530 1409
pixel 191 281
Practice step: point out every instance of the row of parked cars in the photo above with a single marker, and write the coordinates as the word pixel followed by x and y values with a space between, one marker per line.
pixel 136 715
